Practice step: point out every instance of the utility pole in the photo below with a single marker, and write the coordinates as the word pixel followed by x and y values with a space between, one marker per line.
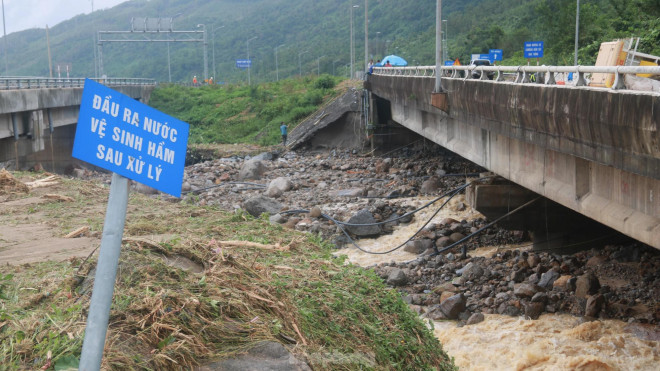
pixel 577 30
pixel 4 29
pixel 366 35
pixel 50 60
pixel 438 48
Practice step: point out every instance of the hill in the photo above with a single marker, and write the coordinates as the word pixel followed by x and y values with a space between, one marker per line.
pixel 315 35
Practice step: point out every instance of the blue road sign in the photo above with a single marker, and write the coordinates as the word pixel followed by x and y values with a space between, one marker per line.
pixel 120 134
pixel 533 49
pixel 495 54
pixel 244 63
pixel 485 56
pixel 449 63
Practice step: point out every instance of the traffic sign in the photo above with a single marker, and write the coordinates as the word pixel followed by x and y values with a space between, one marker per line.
pixel 244 63
pixel 449 63
pixel 495 54
pixel 118 133
pixel 533 49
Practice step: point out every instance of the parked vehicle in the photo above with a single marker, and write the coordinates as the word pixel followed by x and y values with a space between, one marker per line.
pixel 481 62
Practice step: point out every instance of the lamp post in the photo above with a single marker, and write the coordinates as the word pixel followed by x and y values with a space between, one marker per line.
pixel 4 29
pixel 213 29
pixel 300 63
pixel 206 62
pixel 352 42
pixel 577 30
pixel 438 48
pixel 318 64
pixel 248 57
pixel 277 68
pixel 366 35
pixel 445 50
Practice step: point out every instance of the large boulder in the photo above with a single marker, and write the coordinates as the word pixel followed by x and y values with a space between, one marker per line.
pixel 278 186
pixel 363 216
pixel 453 306
pixel 397 277
pixel 261 204
pixel 252 170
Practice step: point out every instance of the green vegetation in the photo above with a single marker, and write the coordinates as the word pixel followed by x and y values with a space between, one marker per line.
pixel 315 35
pixel 255 281
pixel 242 113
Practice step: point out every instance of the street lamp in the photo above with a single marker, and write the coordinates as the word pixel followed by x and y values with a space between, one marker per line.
pixel 300 63
pixel 352 42
pixel 318 68
pixel 277 69
pixel 213 29
pixel 366 35
pixel 445 50
pixel 4 29
pixel 206 62
pixel 248 57
pixel 577 30
pixel 438 48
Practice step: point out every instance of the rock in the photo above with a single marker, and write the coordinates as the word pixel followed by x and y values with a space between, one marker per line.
pixel 186 187
pixel 540 297
pixel 442 242
pixel 455 237
pixel 435 313
pixel 145 189
pixel 519 275
pixel 397 277
pixel 430 186
pixel 268 355
pixel 261 204
pixel 595 261
pixel 446 295
pixel 418 246
pixel 315 212
pixel 475 318
pixel 594 305
pixel 458 281
pixel 587 284
pixel 447 286
pixel 263 156
pixel 278 186
pixel 560 283
pixel 252 169
pixel 526 290
pixel 277 219
pixel 548 278
pixel 448 221
pixel 453 306
pixel 534 309
pixel 363 216
pixel 472 272
pixel 384 165
pixel 352 192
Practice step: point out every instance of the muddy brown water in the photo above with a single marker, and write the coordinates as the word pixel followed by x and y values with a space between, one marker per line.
pixel 552 342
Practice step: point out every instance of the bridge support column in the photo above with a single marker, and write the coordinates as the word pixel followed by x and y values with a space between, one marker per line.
pixel 550 225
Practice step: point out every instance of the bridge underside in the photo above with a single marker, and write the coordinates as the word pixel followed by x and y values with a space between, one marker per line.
pixel 594 152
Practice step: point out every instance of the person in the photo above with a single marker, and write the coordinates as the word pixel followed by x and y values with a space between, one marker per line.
pixel 387 63
pixel 194 80
pixel 211 80
pixel 370 67
pixel 283 130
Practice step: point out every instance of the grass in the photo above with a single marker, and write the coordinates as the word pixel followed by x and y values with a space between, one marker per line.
pixel 289 289
pixel 242 113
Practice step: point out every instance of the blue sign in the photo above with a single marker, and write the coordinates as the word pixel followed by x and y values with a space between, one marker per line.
pixel 244 63
pixel 120 134
pixel 449 63
pixel 485 56
pixel 533 49
pixel 495 54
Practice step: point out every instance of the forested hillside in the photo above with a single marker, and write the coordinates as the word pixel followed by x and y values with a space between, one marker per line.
pixel 315 35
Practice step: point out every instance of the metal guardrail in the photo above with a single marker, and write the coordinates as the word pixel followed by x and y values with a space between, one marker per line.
pixel 522 73
pixel 9 83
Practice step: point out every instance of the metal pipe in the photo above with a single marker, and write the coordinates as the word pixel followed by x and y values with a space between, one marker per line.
pixel 438 47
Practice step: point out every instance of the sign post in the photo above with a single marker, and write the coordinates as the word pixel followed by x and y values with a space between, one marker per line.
pixel 137 142
pixel 495 55
pixel 243 63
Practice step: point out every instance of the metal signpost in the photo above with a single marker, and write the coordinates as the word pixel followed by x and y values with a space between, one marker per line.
pixel 137 142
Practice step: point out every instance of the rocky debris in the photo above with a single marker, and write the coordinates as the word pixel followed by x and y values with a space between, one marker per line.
pixel 624 285
pixel 261 204
pixel 363 216
pixel 278 186
pixel 252 169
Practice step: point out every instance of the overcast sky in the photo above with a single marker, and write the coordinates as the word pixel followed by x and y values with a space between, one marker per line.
pixel 24 14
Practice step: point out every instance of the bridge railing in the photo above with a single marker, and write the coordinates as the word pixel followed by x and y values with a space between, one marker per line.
pixel 9 83
pixel 521 74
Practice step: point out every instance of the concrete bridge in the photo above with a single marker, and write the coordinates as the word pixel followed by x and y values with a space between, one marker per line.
pixel 595 151
pixel 38 117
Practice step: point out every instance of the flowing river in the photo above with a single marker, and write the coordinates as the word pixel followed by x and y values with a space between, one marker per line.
pixel 552 342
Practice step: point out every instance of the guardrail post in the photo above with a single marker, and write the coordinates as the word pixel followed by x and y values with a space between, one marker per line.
pixel 619 81
pixel 551 78
pixel 580 81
